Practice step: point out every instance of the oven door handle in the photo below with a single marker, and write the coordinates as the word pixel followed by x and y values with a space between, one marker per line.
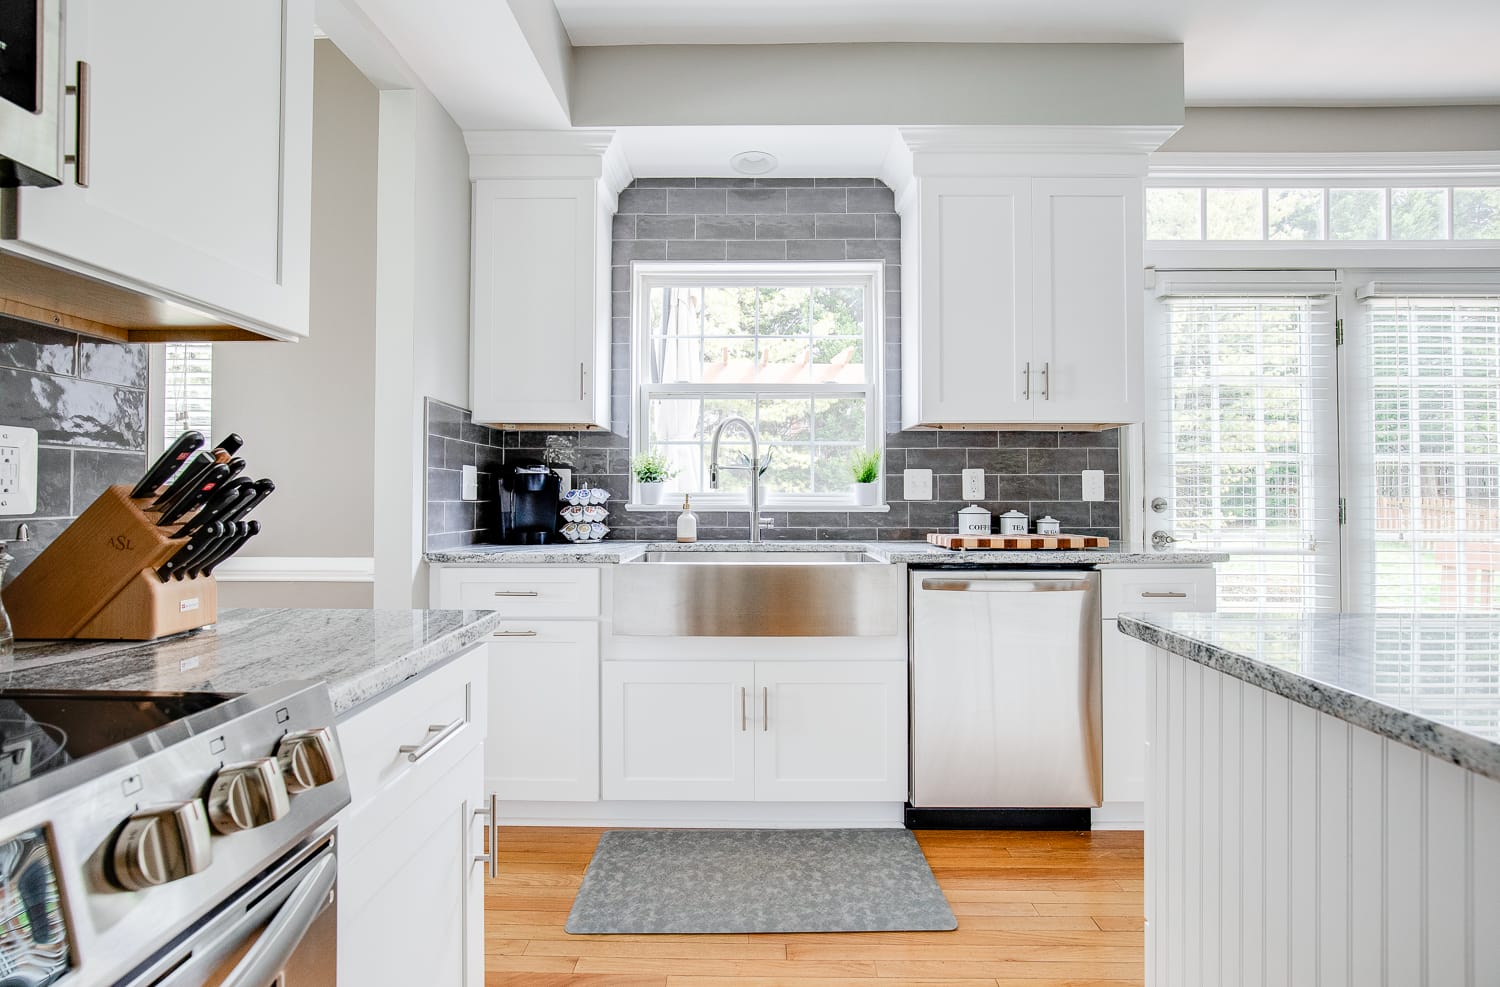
pixel 264 962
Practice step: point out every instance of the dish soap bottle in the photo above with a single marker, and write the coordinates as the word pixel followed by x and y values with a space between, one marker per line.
pixel 687 523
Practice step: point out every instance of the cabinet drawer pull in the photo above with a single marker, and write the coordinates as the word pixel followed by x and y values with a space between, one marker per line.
pixel 1047 381
pixel 1163 595
pixel 491 860
pixel 765 705
pixel 79 159
pixel 516 592
pixel 438 734
pixel 1026 376
pixel 744 711
pixel 514 634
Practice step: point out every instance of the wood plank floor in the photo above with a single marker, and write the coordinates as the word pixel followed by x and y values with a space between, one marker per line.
pixel 1034 910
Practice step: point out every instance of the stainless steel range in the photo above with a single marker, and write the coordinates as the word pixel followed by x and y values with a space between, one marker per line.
pixel 169 839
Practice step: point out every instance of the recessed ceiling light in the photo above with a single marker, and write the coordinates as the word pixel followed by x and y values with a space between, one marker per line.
pixel 753 162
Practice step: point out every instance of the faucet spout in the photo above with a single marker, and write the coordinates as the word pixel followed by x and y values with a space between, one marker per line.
pixel 754 467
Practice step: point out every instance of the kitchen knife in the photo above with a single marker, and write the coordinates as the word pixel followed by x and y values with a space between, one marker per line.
pixel 194 495
pixel 209 548
pixel 263 489
pixel 229 445
pixel 239 543
pixel 186 552
pixel 167 463
pixel 219 506
pixel 183 480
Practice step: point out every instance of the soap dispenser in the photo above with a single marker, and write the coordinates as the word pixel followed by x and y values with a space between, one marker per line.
pixel 687 523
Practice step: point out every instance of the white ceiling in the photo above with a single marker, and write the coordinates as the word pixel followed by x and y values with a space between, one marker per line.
pixel 1238 52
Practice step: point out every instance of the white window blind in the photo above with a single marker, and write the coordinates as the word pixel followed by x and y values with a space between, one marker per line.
pixel 1243 442
pixel 1425 449
pixel 188 387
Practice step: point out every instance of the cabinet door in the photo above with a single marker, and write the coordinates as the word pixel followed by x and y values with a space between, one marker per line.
pixel 411 900
pixel 1088 302
pixel 829 731
pixel 974 362
pixel 199 156
pixel 538 295
pixel 544 712
pixel 678 730
pixel 1127 708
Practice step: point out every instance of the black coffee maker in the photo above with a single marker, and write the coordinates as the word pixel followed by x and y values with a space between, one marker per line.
pixel 534 493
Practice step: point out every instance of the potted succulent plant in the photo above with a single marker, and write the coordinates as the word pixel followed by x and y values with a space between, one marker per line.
pixel 866 472
pixel 652 471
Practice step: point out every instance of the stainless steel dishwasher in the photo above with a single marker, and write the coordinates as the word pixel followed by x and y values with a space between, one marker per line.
pixel 1005 670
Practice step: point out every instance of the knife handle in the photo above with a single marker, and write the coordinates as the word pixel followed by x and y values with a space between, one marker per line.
pixel 239 543
pixel 194 495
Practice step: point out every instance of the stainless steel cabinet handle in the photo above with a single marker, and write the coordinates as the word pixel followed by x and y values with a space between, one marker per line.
pixel 1007 585
pixel 264 960
pixel 491 859
pixel 765 705
pixel 1164 595
pixel 79 159
pixel 580 381
pixel 744 711
pixel 1047 382
pixel 1026 376
pixel 516 592
pixel 438 734
pixel 514 634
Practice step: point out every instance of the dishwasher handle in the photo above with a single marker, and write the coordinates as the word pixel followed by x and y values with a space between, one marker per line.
pixel 1038 585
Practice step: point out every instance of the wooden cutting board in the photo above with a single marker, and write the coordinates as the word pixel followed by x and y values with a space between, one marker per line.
pixel 1018 542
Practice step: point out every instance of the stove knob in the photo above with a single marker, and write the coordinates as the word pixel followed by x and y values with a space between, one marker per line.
pixel 162 844
pixel 309 758
pixel 247 795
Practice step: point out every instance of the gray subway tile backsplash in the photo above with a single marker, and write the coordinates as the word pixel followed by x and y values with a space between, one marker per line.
pixel 778 219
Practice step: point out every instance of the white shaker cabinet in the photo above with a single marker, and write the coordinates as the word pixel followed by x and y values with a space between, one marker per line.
pixel 544 711
pixel 1021 308
pixel 197 157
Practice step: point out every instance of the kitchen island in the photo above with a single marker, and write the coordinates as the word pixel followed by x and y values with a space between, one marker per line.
pixel 1323 799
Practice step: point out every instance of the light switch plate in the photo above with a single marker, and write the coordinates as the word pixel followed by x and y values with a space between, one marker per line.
pixel 916 485
pixel 1093 484
pixel 469 483
pixel 17 470
pixel 974 484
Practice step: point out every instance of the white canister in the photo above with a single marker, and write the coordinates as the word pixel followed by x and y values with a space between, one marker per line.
pixel 1013 523
pixel 973 520
pixel 1048 525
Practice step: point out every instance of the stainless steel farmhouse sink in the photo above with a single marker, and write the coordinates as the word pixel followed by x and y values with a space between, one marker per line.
pixel 759 593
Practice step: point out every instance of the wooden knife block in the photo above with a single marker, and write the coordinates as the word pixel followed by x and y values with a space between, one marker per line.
pixel 98 580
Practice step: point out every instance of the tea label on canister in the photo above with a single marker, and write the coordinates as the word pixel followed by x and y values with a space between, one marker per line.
pixel 1013 523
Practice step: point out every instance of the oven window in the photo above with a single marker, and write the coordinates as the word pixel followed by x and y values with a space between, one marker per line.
pixel 33 930
pixel 20 54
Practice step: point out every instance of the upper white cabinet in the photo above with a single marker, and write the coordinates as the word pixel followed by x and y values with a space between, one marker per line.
pixel 540 323
pixel 1021 299
pixel 197 156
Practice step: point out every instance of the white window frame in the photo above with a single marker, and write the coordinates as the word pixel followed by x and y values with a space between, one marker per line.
pixel 647 276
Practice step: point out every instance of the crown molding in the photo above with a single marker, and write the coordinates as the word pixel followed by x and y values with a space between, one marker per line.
pixel 582 153
pixel 1366 167
pixel 1038 139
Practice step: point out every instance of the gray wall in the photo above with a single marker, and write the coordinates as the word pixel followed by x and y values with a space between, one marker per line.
pixel 87 400
pixel 305 409
pixel 1295 129
pixel 744 219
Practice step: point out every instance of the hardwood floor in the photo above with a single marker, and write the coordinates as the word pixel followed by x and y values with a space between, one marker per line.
pixel 1034 910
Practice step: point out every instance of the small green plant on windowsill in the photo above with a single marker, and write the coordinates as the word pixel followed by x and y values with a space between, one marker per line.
pixel 652 471
pixel 865 470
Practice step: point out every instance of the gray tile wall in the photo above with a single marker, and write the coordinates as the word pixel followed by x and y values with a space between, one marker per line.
pixel 792 219
pixel 87 400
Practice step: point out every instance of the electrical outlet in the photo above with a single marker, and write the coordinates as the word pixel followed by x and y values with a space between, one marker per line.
pixel 1093 484
pixel 916 485
pixel 974 484
pixel 469 483
pixel 17 470
pixel 564 478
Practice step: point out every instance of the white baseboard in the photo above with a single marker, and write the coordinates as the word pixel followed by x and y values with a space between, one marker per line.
pixel 296 569
pixel 706 815
pixel 1120 815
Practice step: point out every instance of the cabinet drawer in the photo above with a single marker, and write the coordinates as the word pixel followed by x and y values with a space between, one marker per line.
pixel 530 591
pixel 1156 590
pixel 450 699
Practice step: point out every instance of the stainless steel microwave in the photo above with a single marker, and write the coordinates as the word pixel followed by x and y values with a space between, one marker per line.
pixel 31 93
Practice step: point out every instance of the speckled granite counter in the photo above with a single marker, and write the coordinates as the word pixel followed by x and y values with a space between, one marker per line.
pixel 896 553
pixel 359 653
pixel 1429 681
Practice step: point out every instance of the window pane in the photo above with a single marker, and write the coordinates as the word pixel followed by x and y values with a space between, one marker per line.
pixel 1173 214
pixel 1295 213
pixel 785 420
pixel 1234 214
pixel 783 311
pixel 838 312
pixel 1476 214
pixel 839 360
pixel 728 311
pixel 790 472
pixel 1356 213
pixel 1419 214
pixel 833 468
pixel 728 361
pixel 839 419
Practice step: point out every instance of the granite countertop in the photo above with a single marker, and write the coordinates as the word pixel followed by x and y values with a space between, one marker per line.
pixel 359 653
pixel 1430 681
pixel 896 553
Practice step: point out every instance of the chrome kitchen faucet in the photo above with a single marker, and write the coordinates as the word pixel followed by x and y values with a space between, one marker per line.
pixel 754 464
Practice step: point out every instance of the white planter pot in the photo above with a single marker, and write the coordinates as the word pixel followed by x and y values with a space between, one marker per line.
pixel 867 494
pixel 651 493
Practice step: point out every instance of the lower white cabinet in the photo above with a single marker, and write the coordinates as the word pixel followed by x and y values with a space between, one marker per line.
pixel 777 731
pixel 544 711
pixel 411 893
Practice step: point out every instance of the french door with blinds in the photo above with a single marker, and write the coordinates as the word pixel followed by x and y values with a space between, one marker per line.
pixel 1264 435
